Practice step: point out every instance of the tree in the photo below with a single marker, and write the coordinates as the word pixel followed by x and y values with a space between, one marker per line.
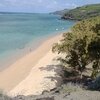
pixel 94 53
pixel 75 50
pixel 78 45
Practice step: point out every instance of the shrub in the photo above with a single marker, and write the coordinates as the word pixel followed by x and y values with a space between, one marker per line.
pixel 81 46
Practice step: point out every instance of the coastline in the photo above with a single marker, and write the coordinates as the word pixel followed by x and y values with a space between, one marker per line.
pixel 21 52
pixel 19 70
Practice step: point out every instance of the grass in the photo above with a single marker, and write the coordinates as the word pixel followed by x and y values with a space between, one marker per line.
pixel 71 87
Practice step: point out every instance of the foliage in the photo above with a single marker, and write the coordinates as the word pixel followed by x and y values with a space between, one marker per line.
pixel 71 87
pixel 83 12
pixel 81 46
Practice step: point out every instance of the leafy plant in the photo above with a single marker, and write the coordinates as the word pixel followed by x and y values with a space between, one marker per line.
pixel 81 46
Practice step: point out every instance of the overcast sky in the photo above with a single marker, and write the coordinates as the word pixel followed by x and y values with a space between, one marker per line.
pixel 41 5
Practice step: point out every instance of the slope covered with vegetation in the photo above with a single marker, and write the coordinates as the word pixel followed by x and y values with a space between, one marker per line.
pixel 83 12
pixel 81 46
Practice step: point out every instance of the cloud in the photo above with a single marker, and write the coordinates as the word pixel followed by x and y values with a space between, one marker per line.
pixel 41 5
pixel 40 1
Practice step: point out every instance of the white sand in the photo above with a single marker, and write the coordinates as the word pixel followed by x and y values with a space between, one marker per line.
pixel 25 75
pixel 42 77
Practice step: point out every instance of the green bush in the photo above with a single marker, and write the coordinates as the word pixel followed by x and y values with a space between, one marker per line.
pixel 81 46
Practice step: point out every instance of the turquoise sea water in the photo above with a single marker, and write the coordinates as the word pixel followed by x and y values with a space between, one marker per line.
pixel 17 30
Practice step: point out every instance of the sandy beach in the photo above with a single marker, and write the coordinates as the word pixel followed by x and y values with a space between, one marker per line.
pixel 30 74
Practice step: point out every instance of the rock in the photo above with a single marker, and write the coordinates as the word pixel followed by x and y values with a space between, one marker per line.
pixel 45 92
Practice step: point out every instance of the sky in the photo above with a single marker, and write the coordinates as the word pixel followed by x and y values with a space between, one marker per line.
pixel 41 6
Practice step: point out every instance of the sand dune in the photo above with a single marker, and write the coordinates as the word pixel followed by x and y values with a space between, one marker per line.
pixel 25 74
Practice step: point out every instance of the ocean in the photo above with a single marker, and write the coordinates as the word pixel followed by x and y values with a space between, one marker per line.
pixel 19 30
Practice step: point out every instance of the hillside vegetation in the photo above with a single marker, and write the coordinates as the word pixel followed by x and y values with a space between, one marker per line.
pixel 81 46
pixel 83 12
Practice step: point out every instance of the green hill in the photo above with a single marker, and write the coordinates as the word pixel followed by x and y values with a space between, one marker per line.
pixel 83 12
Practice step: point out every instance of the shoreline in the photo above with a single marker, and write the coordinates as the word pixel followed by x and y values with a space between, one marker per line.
pixel 19 70
pixel 21 52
